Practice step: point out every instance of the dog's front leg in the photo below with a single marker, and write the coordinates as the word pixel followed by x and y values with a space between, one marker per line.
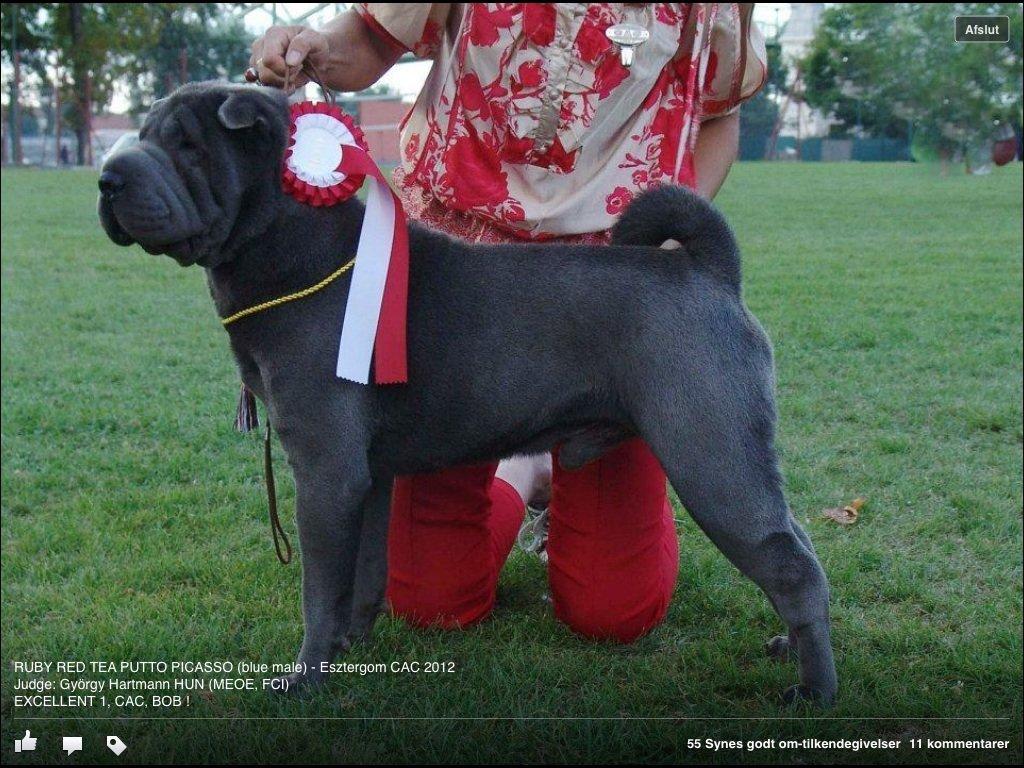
pixel 329 511
pixel 372 563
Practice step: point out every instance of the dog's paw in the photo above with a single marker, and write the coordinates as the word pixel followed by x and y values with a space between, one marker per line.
pixel 363 620
pixel 779 649
pixel 297 684
pixel 797 695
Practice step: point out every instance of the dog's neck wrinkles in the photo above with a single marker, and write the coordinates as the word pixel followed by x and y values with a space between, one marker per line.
pixel 299 247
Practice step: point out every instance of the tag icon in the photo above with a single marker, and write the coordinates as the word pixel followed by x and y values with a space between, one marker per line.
pixel 115 745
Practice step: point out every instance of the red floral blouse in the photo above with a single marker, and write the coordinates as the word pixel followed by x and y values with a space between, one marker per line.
pixel 530 127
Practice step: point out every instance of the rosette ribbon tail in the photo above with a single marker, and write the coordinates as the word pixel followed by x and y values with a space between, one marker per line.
pixel 374 326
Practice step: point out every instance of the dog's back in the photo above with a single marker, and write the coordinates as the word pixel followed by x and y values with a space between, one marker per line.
pixel 532 343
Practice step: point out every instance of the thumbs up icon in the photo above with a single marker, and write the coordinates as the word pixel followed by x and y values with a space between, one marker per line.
pixel 25 744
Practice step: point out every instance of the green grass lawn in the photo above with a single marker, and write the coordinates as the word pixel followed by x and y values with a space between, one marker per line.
pixel 134 525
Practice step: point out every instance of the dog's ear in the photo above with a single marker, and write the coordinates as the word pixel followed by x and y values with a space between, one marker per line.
pixel 240 110
pixel 158 106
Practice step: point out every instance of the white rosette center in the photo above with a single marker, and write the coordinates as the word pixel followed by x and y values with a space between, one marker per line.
pixel 316 152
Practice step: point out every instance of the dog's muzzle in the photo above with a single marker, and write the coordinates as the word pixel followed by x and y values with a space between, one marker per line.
pixel 144 200
pixel 111 184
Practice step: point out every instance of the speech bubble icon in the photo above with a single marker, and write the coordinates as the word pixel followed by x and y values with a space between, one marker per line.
pixel 72 744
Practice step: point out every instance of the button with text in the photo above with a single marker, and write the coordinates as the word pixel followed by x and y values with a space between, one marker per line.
pixel 982 29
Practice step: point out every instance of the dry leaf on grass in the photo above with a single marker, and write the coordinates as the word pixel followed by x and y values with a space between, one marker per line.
pixel 846 515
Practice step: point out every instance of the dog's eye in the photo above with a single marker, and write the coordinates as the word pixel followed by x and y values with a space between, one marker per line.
pixel 188 145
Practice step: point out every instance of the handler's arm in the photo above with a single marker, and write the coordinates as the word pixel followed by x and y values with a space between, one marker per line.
pixel 717 144
pixel 346 53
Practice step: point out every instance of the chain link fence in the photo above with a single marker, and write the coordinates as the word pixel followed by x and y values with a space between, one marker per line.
pixel 879 150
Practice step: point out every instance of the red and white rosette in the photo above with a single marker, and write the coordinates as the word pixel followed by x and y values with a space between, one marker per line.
pixel 319 132
pixel 326 163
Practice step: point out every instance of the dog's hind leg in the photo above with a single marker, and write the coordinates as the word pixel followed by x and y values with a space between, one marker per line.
pixel 784 647
pixel 717 450
pixel 744 513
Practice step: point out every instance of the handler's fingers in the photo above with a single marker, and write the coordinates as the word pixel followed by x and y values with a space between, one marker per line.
pixel 308 45
pixel 270 64
pixel 255 51
pixel 255 58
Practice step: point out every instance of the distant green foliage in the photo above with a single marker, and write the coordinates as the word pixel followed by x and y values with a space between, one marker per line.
pixel 758 115
pixel 148 49
pixel 27 25
pixel 191 41
pixel 892 69
pixel 95 40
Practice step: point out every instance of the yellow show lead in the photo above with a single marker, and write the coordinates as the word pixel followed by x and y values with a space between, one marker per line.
pixel 291 296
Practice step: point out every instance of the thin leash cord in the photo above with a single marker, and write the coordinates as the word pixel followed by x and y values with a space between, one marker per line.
pixel 284 553
pixel 282 545
pixel 314 77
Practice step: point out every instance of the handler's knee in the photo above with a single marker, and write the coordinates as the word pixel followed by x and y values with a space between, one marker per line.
pixel 435 595
pixel 441 568
pixel 612 548
pixel 602 626
pixel 621 612
pixel 439 610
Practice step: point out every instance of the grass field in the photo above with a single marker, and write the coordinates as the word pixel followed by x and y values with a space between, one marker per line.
pixel 134 525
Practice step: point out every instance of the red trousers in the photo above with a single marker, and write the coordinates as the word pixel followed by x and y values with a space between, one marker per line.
pixel 612 548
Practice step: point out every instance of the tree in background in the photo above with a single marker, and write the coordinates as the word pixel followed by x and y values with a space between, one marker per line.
pixel 191 41
pixel 849 70
pixel 93 42
pixel 893 70
pixel 148 49
pixel 24 36
pixel 759 114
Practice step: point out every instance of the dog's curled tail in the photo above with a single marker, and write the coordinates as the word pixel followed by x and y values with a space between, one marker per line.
pixel 675 213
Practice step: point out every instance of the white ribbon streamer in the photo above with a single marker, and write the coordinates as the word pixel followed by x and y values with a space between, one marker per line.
pixel 315 157
pixel 366 291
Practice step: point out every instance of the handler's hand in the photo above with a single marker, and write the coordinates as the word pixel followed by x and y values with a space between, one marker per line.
pixel 282 49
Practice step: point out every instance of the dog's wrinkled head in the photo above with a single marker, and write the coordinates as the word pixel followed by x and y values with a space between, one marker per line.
pixel 202 176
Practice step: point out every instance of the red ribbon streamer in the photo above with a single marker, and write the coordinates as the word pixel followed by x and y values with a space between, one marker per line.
pixel 390 354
